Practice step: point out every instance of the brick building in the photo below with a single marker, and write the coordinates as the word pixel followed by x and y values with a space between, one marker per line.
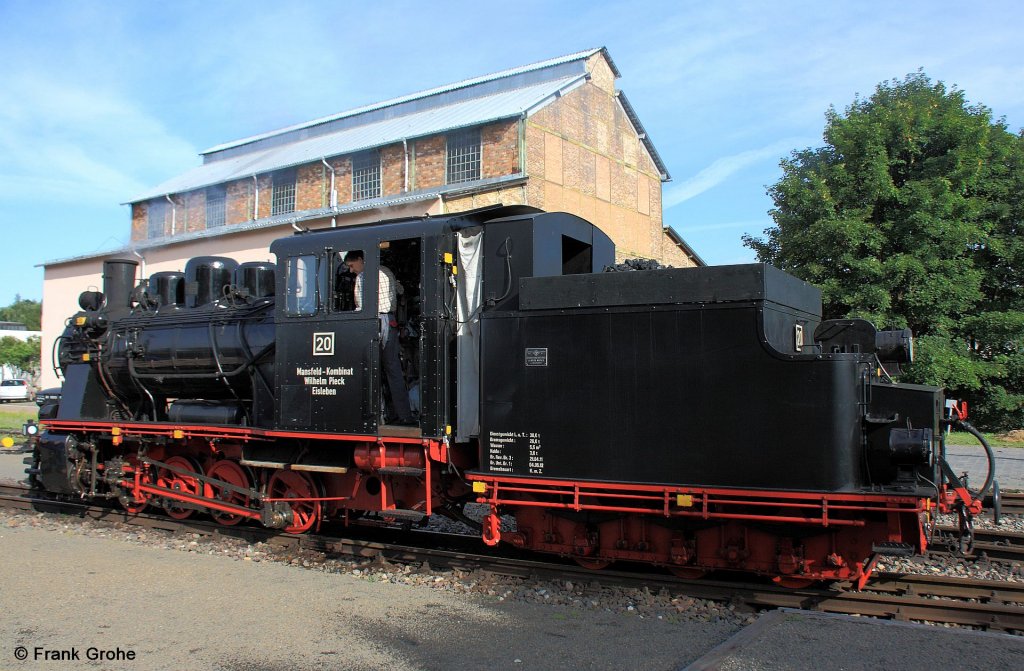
pixel 555 135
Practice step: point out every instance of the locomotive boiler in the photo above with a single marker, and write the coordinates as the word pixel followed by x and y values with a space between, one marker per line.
pixel 695 419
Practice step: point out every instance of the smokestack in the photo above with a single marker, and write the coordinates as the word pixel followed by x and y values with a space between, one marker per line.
pixel 118 282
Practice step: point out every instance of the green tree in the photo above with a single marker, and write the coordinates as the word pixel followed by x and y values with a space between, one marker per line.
pixel 910 215
pixel 21 355
pixel 27 312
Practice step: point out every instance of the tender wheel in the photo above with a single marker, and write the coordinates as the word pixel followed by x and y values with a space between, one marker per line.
pixel 593 564
pixel 790 582
pixel 296 485
pixel 688 572
pixel 179 483
pixel 234 474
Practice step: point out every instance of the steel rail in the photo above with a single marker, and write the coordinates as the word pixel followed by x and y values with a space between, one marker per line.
pixel 993 543
pixel 991 605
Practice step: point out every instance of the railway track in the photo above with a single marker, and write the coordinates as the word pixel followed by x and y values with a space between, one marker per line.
pixel 1012 503
pixel 985 604
pixel 993 543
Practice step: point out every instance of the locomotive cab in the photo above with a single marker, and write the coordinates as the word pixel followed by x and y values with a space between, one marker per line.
pixel 328 363
pixel 449 271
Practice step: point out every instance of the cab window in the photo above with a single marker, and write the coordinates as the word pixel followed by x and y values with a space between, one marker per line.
pixel 345 276
pixel 302 290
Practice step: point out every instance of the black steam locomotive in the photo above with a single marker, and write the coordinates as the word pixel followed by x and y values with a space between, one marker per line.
pixel 697 419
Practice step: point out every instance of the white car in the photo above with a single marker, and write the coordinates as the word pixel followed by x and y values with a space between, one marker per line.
pixel 13 390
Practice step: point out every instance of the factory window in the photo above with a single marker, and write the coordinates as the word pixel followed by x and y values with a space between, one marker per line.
pixel 282 198
pixel 156 218
pixel 366 175
pixel 463 156
pixel 216 199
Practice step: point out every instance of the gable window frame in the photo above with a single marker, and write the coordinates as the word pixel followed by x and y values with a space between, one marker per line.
pixel 216 205
pixel 463 156
pixel 366 175
pixel 282 191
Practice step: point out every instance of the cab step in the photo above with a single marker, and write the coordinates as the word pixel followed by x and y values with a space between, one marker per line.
pixel 893 549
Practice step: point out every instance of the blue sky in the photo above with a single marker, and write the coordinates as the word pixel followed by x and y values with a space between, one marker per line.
pixel 101 99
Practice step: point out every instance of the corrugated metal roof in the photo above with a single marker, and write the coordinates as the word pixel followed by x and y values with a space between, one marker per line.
pixel 418 124
pixel 550 64
pixel 382 204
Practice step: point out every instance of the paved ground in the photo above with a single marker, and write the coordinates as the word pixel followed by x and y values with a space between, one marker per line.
pixel 797 639
pixel 11 467
pixel 177 610
pixel 1009 464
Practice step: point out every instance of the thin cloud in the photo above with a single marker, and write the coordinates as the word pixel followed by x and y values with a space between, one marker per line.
pixel 63 143
pixel 723 168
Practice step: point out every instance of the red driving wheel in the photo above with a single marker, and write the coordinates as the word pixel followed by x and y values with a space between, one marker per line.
pixel 179 483
pixel 234 474
pixel 295 485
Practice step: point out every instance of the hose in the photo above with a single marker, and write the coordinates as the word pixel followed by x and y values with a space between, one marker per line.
pixel 966 426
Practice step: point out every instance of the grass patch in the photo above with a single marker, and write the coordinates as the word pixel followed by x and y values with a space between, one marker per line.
pixel 11 420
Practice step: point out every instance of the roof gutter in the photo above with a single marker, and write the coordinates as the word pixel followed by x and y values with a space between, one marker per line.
pixel 256 200
pixel 334 192
pixel 642 133
pixel 173 214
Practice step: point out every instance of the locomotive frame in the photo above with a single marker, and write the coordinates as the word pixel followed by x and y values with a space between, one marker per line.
pixel 615 416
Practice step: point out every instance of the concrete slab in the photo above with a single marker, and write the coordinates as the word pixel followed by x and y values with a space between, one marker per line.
pixel 800 639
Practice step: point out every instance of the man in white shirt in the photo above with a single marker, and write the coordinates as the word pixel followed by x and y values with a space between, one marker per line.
pixel 388 289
